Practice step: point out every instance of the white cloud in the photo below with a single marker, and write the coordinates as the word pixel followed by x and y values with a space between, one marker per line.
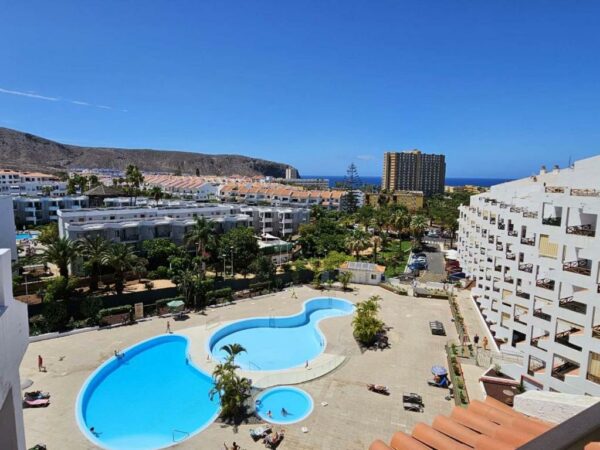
pixel 365 157
pixel 54 99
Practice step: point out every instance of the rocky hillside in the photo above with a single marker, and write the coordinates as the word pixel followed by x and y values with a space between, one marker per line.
pixel 24 151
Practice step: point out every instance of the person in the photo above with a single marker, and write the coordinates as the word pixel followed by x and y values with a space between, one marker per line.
pixel 235 446
pixel 485 342
pixel 269 413
pixel 41 367
pixel 93 431
pixel 168 327
pixel 306 364
pixel 476 339
pixel 284 412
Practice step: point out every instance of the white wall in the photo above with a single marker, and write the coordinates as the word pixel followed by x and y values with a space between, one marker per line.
pixel 7 226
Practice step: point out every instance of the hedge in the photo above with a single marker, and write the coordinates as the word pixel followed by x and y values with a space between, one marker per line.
pixel 219 293
pixel 260 286
pixel 114 311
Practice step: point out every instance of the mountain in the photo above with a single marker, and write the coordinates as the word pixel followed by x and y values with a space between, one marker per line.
pixel 24 151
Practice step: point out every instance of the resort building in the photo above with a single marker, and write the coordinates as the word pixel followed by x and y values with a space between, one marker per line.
pixel 532 249
pixel 136 224
pixel 14 337
pixel 413 171
pixel 31 211
pixel 364 273
pixel 412 200
pixel 31 183
pixel 197 188
pixel 291 173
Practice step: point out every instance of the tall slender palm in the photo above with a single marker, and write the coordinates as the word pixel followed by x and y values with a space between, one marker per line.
pixel 418 224
pixel 401 220
pixel 156 193
pixel 201 235
pixel 233 390
pixel 233 350
pixel 357 241
pixel 93 250
pixel 61 252
pixel 121 259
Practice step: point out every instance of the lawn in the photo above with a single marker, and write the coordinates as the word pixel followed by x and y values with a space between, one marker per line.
pixel 394 257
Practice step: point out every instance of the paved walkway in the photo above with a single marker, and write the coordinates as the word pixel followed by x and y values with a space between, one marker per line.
pixel 352 418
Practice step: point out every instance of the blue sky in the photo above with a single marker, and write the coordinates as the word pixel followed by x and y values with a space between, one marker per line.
pixel 500 87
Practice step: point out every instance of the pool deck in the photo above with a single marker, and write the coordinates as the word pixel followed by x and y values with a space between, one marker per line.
pixel 352 417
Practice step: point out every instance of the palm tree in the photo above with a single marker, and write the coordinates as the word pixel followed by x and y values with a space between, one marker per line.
pixel 122 259
pixel 400 220
pixel 357 241
pixel 233 390
pixel 365 322
pixel 233 350
pixel 345 278
pixel 93 250
pixel 376 240
pixel 201 236
pixel 61 252
pixel 418 224
pixel 156 193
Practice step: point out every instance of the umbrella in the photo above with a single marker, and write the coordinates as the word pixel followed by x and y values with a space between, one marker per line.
pixel 175 304
pixel 439 370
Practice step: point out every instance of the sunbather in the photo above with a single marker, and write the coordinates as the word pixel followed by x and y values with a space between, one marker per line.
pixel 378 388
pixel 34 395
pixel 41 402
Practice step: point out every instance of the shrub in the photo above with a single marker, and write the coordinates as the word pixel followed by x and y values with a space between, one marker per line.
pixel 160 273
pixel 259 286
pixel 224 293
pixel 149 285
pixel 115 310
pixel 60 288
pixel 90 309
pixel 55 315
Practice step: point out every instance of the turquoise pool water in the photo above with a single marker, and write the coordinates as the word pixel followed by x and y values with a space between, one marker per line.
pixel 151 398
pixel 21 236
pixel 275 343
pixel 296 402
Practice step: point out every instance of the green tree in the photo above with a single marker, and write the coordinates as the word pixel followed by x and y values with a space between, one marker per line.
pixel 93 250
pixel 351 184
pixel 48 233
pixel 134 179
pixel 366 324
pixel 357 242
pixel 121 259
pixel 345 278
pixel 400 220
pixel 243 244
pixel 263 268
pixel 232 389
pixel 156 193
pixel 200 236
pixel 158 251
pixel 62 252
pixel 418 224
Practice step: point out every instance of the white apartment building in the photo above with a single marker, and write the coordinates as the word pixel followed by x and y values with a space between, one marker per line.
pixel 31 183
pixel 7 226
pixel 14 337
pixel 41 210
pixel 136 224
pixel 532 247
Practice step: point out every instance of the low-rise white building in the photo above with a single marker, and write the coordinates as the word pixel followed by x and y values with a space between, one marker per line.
pixel 532 247
pixel 363 272
pixel 31 183
pixel 40 210
pixel 7 226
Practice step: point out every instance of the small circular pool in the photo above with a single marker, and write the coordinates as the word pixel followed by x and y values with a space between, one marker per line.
pixel 285 404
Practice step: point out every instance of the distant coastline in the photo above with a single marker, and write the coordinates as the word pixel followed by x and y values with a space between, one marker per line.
pixel 486 182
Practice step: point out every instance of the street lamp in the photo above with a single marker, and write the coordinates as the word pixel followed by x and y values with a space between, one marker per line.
pixel 231 261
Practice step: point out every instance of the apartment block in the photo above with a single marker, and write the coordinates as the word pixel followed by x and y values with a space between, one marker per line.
pixel 136 224
pixel 413 171
pixel 532 247
pixel 40 210
pixel 30 183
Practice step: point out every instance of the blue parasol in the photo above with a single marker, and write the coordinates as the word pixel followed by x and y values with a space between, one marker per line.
pixel 439 370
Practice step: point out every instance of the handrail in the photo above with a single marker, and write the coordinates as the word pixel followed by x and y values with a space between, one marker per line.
pixel 181 432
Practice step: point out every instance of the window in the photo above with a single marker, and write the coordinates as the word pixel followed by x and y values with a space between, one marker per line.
pixel 373 276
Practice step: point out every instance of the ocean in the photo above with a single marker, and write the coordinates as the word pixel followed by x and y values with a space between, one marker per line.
pixel 486 182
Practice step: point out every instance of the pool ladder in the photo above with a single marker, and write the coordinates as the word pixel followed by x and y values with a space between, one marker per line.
pixel 184 433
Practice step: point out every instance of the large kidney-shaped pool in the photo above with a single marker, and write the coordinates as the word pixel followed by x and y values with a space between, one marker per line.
pixel 150 398
pixel 275 343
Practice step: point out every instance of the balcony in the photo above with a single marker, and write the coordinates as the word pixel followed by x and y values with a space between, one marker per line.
pixel 528 241
pixel 581 266
pixel 572 305
pixel 585 193
pixel 535 366
pixel 567 367
pixel 582 230
pixel 555 190
pixel 498 268
pixel 510 256
pixel 530 215
pixel 526 268
pixel 545 283
pixel 513 233
pixel 541 315
pixel 596 332
pixel 593 378
pixel 509 279
pixel 522 294
pixel 553 221
pixel 563 338
pixel 501 226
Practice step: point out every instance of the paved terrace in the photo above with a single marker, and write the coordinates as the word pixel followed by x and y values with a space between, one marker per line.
pixel 353 418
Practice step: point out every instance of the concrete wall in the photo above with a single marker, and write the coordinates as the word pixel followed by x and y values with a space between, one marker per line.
pixel 7 226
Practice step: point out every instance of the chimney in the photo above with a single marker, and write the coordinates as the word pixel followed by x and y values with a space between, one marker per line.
pixel 555 169
pixel 542 170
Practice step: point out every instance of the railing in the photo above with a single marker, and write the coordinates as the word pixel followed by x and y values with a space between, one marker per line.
pixel 533 368
pixel 498 268
pixel 530 215
pixel 596 332
pixel 554 221
pixel 545 283
pixel 536 340
pixel 528 241
pixel 593 378
pixel 499 247
pixel 542 315
pixel 560 371
pixel 511 256
pixel 573 305
pixel 522 294
pixel 555 189
pixel 585 192
pixel 509 280
pixel 581 266
pixel 501 226
pixel 513 233
pixel 563 338
pixel 526 268
pixel 582 230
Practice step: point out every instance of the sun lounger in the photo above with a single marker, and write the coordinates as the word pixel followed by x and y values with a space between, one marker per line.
pixel 412 406
pixel 437 328
pixel 411 397
pixel 260 432
pixel 42 402
pixel 273 440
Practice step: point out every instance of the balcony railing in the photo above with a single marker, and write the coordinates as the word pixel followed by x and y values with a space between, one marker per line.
pixel 498 268
pixel 581 266
pixel 541 315
pixel 509 280
pixel 545 283
pixel 528 241
pixel 585 192
pixel 530 215
pixel 533 368
pixel 559 372
pixel 526 268
pixel 596 332
pixel 522 294
pixel 593 378
pixel 573 305
pixel 554 221
pixel 510 256
pixel 513 233
pixel 563 338
pixel 582 230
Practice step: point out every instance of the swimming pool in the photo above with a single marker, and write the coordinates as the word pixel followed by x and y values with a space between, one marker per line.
pixel 151 398
pixel 30 235
pixel 275 343
pixel 297 403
